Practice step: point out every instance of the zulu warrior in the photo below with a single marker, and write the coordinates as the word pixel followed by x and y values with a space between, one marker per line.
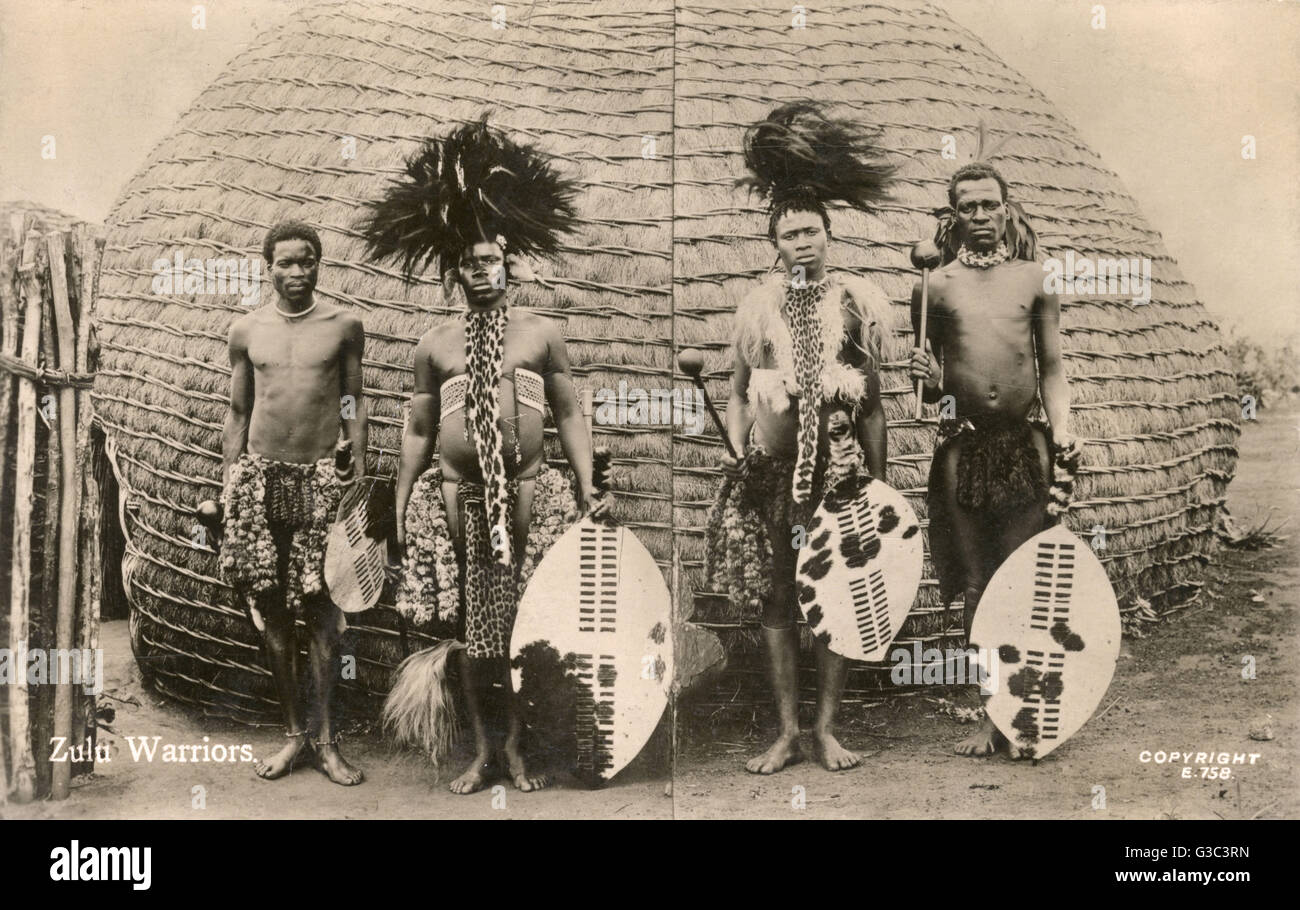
pixel 294 438
pixel 992 353
pixel 474 524
pixel 805 399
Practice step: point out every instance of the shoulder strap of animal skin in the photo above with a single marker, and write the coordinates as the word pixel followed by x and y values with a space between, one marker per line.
pixel 757 316
pixel 872 308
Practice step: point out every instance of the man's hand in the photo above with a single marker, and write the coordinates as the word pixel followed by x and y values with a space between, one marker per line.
pixel 1068 446
pixel 730 464
pixel 597 508
pixel 393 572
pixel 924 366
pixel 396 555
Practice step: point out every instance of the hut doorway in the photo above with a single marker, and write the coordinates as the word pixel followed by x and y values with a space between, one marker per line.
pixel 112 536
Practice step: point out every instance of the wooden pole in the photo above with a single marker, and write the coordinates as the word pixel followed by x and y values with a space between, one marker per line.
pixel 89 247
pixel 586 416
pixel 9 345
pixel 78 732
pixel 42 624
pixel 8 340
pixel 20 744
pixel 925 307
pixel 69 502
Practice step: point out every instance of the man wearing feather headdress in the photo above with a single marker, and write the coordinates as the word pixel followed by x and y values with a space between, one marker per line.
pixel 805 398
pixel 473 525
pixel 295 435
pixel 993 345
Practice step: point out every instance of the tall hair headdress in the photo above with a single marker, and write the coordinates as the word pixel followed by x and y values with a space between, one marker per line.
pixel 799 154
pixel 1021 241
pixel 474 184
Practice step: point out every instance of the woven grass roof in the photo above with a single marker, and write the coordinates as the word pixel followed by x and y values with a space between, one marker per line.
pixel 587 82
pixel 584 82
pixel 1152 390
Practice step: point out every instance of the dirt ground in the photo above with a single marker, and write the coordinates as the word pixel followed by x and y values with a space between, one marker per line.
pixel 1179 689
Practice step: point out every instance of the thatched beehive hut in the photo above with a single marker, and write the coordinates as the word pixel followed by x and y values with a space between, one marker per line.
pixel 592 84
pixel 1153 392
pixel 270 139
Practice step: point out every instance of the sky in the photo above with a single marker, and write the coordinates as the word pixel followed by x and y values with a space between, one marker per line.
pixel 1164 93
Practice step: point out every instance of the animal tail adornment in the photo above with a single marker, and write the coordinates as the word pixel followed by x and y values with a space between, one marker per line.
pixel 420 709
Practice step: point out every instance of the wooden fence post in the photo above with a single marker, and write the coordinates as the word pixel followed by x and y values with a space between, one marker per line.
pixel 9 347
pixel 88 247
pixel 23 765
pixel 43 616
pixel 69 492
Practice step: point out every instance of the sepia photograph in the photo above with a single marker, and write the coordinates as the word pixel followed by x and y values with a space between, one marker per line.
pixel 649 410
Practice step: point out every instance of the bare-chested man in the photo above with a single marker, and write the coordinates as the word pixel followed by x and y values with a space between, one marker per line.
pixel 993 345
pixel 534 373
pixel 805 402
pixel 296 433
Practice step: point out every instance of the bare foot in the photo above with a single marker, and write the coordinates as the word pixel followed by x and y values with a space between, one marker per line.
pixel 523 781
pixel 334 766
pixel 283 761
pixel 985 741
pixel 831 754
pixel 785 751
pixel 474 778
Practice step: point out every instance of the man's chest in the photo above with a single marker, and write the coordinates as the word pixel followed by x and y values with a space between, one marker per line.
pixel 306 347
pixel 1001 307
pixel 839 332
pixel 518 348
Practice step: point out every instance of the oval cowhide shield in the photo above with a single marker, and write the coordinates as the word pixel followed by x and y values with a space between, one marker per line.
pixel 860 567
pixel 1048 634
pixel 354 562
pixel 592 650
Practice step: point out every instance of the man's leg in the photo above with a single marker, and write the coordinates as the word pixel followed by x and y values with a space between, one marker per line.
pixel 282 658
pixel 1014 529
pixel 512 750
pixel 968 532
pixel 831 672
pixel 477 703
pixel 323 650
pixel 475 777
pixel 781 642
pixel 1019 526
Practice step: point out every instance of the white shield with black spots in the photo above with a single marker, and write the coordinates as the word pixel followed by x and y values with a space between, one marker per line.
pixel 1050 620
pixel 859 568
pixel 592 650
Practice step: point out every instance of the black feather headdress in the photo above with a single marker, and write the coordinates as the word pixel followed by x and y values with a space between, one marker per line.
pixel 475 184
pixel 800 156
